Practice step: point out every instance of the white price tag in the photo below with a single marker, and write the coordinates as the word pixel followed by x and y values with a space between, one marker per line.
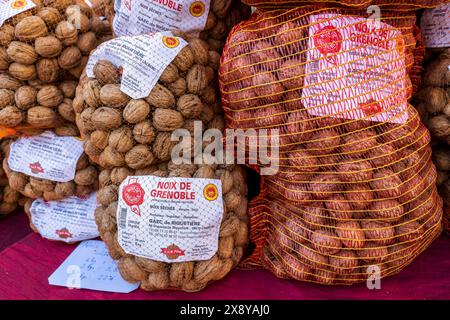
pixel 355 69
pixel 46 156
pixel 435 26
pixel 141 59
pixel 143 16
pixel 170 219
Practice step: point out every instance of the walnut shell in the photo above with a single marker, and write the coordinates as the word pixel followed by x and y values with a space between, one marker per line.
pixel 139 157
pixel 25 97
pixel 161 97
pixel 30 28
pixel 167 119
pixel 200 49
pixel 65 109
pixel 190 106
pixel 136 111
pixel 144 133
pixel 6 98
pixel 106 118
pixel 42 117
pixel 91 93
pixel 105 72
pixel 4 59
pixel 66 33
pixel 10 116
pixel 47 70
pixel 196 79
pixel 49 96
pixel 9 82
pixel 22 52
pixel 70 58
pixel 112 96
pixel 185 59
pixel 22 71
pixel 6 34
pixel 162 147
pixel 48 47
pixel 86 176
pixel 170 74
pixel 121 139
pixel 179 87
pixel 51 16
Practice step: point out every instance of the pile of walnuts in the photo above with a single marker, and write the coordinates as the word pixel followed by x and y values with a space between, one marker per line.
pixel 43 52
pixel 350 193
pixel 187 276
pixel 433 100
pixel 121 131
pixel 85 182
pixel 10 199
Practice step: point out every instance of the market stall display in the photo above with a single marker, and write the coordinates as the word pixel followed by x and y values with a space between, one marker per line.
pixel 355 192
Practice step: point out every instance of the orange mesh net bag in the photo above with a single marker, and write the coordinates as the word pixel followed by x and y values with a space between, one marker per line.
pixel 356 189
pixel 384 4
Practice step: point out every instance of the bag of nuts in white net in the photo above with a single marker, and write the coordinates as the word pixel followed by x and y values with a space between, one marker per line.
pixel 41 45
pixel 50 167
pixel 210 20
pixel 9 199
pixel 174 226
pixel 69 220
pixel 138 90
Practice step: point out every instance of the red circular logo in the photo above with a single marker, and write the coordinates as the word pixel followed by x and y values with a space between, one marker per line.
pixel 328 40
pixel 133 194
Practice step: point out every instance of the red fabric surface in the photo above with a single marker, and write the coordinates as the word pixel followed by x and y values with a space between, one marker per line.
pixel 13 228
pixel 26 265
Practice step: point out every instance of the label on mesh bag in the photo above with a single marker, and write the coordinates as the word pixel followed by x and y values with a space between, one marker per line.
pixel 46 156
pixel 435 26
pixel 11 8
pixel 170 219
pixel 355 69
pixel 140 59
pixel 68 220
pixel 144 16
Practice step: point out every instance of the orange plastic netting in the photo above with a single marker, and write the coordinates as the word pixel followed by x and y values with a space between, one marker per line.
pixel 356 187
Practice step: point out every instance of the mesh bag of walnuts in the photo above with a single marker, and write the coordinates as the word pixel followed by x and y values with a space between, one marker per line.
pixel 127 113
pixel 187 249
pixel 356 187
pixel 211 20
pixel 50 167
pixel 43 46
pixel 9 199
pixel 383 4
pixel 69 220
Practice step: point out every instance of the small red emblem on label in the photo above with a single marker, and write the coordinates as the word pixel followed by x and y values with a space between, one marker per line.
pixel 64 233
pixel 172 252
pixel 370 108
pixel 133 195
pixel 36 168
pixel 328 40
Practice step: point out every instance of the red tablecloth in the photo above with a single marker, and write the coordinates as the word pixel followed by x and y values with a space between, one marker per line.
pixel 26 265
pixel 13 228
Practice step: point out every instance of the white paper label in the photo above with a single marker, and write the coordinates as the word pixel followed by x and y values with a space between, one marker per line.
pixel 435 26
pixel 11 8
pixel 142 59
pixel 170 219
pixel 46 156
pixel 355 69
pixel 90 266
pixel 68 220
pixel 149 16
